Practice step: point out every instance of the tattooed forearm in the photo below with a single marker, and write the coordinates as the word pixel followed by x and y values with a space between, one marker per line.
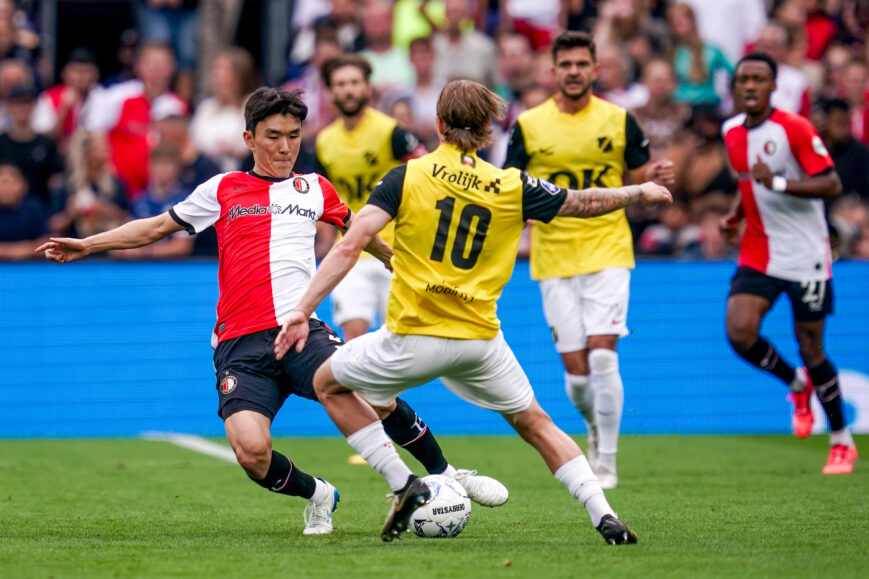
pixel 597 201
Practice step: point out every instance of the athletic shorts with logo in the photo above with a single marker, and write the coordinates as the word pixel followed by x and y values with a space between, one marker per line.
pixel 249 377
pixel 381 365
pixel 811 300
pixel 362 294
pixel 593 304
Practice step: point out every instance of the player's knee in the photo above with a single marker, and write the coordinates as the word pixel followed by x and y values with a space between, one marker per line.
pixel 253 455
pixel 741 336
pixel 603 361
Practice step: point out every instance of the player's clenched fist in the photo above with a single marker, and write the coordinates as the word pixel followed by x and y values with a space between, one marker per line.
pixel 651 193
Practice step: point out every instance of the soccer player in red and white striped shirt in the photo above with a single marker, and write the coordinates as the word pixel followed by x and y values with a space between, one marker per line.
pixel 784 173
pixel 266 223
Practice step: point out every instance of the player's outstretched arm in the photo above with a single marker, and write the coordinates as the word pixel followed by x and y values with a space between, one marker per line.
pixel 136 233
pixel 598 201
pixel 376 247
pixel 366 225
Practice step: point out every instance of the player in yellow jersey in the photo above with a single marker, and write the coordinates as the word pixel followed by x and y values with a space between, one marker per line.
pixel 457 220
pixel 354 152
pixel 576 140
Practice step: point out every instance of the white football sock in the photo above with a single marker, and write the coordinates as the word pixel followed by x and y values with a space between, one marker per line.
pixel 320 491
pixel 609 399
pixel 450 471
pixel 798 384
pixel 841 437
pixel 581 393
pixel 375 447
pixel 577 476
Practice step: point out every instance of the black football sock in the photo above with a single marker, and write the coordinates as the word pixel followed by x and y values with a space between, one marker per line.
pixel 825 379
pixel 408 430
pixel 284 478
pixel 764 356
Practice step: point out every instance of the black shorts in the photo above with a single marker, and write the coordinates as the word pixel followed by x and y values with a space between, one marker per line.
pixel 249 377
pixel 810 300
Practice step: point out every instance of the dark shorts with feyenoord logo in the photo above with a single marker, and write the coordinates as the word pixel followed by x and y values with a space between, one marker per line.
pixel 249 377
pixel 811 300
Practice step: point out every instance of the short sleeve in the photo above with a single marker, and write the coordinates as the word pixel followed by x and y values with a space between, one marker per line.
pixel 200 209
pixel 517 155
pixel 405 145
pixel 335 212
pixel 541 200
pixel 387 192
pixel 807 147
pixel 636 145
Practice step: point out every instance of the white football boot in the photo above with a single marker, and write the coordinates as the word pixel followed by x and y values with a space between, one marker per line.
pixel 483 490
pixel 318 514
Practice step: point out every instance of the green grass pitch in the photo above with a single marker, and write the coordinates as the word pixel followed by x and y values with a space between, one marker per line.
pixel 702 506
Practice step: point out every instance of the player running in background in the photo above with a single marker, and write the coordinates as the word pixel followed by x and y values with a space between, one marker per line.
pixel 457 221
pixel 577 140
pixel 784 173
pixel 266 224
pixel 355 151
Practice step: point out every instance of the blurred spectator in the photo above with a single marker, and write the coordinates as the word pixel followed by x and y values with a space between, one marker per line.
pixel 174 130
pixel 93 199
pixel 543 74
pixel 701 157
pixel 343 24
pixel 709 244
pixel 12 73
pixel 18 38
pixel 124 111
pixel 662 119
pixel 316 94
pixel 128 48
pixel 515 60
pixel 629 25
pixel 791 85
pixel 22 219
pixel 849 217
pixel 695 62
pixel 418 18
pixel 672 235
pixel 424 98
pixel 850 156
pixel 390 66
pixel 218 123
pixel 163 192
pixel 835 60
pixel 730 25
pixel 854 86
pixel 218 23
pixel 809 19
pixel 453 45
pixel 536 20
pixel 35 155
pixel 614 82
pixel 173 22
pixel 59 109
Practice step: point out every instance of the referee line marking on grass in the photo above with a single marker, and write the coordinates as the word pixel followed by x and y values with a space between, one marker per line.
pixel 194 443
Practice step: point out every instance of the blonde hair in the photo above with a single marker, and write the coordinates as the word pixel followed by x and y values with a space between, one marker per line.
pixel 79 146
pixel 466 108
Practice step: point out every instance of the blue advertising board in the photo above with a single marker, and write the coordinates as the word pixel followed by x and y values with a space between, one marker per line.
pixel 114 349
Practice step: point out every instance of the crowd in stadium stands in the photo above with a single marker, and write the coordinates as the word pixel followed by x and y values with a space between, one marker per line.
pixel 81 152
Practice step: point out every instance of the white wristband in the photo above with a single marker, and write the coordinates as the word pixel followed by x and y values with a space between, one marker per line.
pixel 779 184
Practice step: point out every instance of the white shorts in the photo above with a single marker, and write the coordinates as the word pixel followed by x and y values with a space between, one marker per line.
pixel 594 304
pixel 381 365
pixel 362 294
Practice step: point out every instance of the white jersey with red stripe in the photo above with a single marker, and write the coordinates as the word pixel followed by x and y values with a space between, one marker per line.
pixel 785 236
pixel 265 233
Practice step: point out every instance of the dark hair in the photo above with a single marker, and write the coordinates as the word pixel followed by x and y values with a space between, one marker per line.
pixel 266 101
pixel 835 104
pixel 423 42
pixel 571 39
pixel 165 152
pixel 759 57
pixel 466 109
pixel 342 60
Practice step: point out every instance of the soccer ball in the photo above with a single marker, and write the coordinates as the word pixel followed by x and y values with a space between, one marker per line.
pixel 447 511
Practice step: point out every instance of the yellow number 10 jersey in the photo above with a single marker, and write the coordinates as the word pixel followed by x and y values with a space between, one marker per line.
pixel 458 220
